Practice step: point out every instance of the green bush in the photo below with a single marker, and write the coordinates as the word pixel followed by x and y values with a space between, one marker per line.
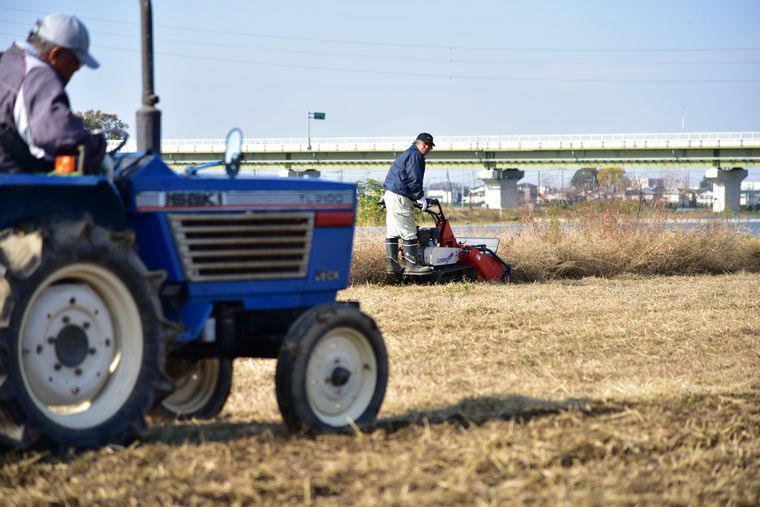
pixel 369 194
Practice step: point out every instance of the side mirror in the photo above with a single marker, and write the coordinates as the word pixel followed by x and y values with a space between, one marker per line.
pixel 233 152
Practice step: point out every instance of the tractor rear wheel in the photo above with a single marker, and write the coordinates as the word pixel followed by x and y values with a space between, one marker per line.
pixel 332 370
pixel 84 346
pixel 201 388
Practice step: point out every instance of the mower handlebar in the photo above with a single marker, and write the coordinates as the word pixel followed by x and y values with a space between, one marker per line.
pixel 430 202
pixel 437 216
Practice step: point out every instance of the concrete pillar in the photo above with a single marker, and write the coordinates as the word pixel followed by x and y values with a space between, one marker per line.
pixel 726 187
pixel 307 173
pixel 501 187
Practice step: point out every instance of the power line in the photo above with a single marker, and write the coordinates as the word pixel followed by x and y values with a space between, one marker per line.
pixel 451 60
pixel 409 45
pixel 441 76
pixel 428 59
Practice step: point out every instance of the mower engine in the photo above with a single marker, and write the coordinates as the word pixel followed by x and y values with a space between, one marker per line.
pixel 452 258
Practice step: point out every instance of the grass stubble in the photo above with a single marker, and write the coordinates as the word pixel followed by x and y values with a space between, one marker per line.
pixel 633 389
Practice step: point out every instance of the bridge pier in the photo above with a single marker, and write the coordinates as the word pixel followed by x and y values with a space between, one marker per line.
pixel 501 187
pixel 726 187
pixel 306 173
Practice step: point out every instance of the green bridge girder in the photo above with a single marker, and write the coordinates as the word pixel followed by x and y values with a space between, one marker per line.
pixel 487 152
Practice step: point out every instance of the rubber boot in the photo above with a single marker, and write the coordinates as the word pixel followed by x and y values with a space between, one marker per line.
pixel 392 267
pixel 411 249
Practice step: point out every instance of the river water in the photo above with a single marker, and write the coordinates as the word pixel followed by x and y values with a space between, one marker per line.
pixel 749 226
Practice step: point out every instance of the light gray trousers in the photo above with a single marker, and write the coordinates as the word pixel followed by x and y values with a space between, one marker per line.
pixel 399 217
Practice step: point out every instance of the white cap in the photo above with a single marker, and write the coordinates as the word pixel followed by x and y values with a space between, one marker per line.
pixel 67 32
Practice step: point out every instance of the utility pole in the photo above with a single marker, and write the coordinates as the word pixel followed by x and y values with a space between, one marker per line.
pixel 449 190
pixel 461 201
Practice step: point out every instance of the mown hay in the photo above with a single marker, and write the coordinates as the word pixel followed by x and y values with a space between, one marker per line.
pixel 572 392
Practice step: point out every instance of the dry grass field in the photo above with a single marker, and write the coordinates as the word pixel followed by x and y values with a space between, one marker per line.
pixel 622 391
pixel 604 243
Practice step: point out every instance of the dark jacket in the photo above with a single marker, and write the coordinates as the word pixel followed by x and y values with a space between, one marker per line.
pixel 42 124
pixel 406 174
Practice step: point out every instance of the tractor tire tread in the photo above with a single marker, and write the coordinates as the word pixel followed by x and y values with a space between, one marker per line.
pixel 47 244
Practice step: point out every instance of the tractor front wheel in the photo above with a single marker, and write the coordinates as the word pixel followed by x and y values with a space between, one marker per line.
pixel 332 370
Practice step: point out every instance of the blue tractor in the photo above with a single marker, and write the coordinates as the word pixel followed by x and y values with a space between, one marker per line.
pixel 129 294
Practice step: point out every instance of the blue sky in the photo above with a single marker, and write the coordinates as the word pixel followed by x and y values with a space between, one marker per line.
pixel 395 68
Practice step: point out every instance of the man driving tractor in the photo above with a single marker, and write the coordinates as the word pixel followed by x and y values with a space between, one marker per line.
pixel 36 121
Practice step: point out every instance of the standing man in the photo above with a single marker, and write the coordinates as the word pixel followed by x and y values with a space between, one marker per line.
pixel 403 186
pixel 36 122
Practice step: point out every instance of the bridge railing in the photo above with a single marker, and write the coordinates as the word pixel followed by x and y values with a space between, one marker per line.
pixel 674 140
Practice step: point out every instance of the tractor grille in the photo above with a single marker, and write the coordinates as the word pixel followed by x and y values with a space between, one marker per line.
pixel 243 246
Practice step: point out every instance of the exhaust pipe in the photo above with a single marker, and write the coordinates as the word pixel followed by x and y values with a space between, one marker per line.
pixel 148 116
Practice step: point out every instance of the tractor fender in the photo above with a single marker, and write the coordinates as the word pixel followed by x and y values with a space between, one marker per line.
pixel 25 198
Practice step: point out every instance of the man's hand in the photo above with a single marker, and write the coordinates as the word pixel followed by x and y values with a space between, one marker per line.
pixel 423 202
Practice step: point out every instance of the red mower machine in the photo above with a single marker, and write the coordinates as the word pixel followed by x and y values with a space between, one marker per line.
pixel 452 258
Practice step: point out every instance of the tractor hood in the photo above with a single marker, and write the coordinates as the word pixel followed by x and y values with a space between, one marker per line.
pixel 156 188
pixel 262 243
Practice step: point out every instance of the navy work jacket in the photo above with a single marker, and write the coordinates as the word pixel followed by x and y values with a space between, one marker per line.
pixel 406 174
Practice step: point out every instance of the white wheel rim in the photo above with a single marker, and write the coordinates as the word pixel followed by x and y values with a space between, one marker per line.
pixel 194 388
pixel 81 305
pixel 341 376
